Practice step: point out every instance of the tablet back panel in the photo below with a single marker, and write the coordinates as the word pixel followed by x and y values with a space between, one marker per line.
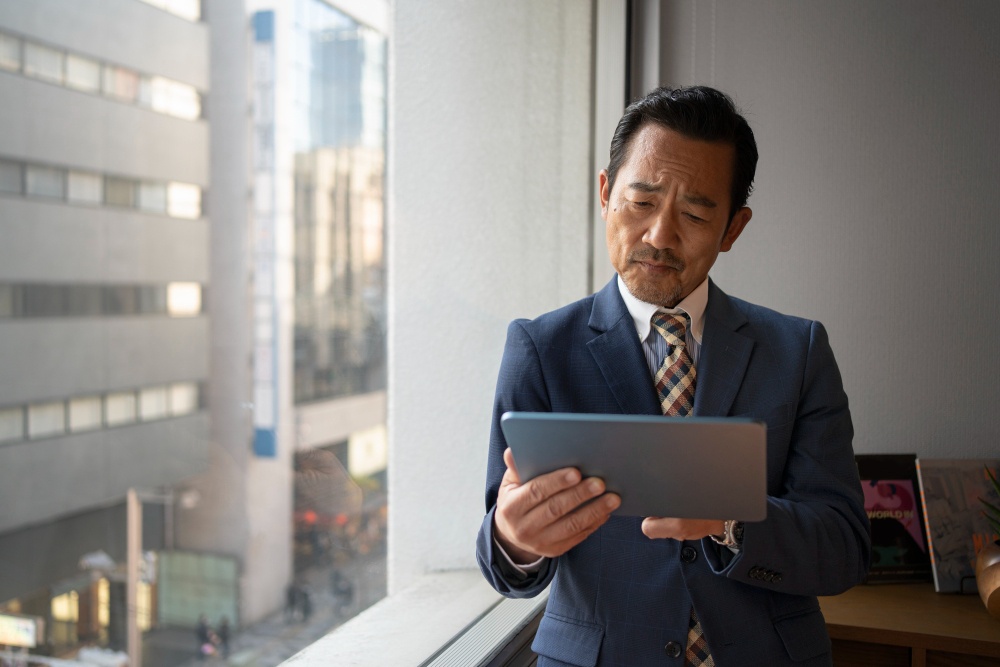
pixel 683 467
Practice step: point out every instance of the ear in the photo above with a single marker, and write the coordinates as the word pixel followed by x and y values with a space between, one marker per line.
pixel 736 226
pixel 604 192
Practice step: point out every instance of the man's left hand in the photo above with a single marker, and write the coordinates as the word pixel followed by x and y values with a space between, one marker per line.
pixel 681 529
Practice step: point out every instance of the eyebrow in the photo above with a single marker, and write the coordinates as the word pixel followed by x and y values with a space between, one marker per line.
pixel 697 200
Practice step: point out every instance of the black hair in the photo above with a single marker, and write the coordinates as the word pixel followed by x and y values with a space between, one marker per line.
pixel 697 112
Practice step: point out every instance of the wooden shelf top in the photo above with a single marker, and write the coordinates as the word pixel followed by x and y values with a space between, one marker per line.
pixel 912 615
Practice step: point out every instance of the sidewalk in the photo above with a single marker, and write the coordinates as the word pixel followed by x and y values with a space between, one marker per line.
pixel 272 641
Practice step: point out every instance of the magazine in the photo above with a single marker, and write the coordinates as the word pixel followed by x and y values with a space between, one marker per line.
pixel 892 501
pixel 956 527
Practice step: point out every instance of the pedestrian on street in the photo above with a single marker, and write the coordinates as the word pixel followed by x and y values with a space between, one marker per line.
pixel 223 635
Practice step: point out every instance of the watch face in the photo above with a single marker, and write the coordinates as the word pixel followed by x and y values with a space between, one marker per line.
pixel 738 532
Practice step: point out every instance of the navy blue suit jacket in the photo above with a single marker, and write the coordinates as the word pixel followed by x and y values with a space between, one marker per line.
pixel 620 598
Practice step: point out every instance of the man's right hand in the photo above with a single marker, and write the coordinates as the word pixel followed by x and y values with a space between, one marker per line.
pixel 550 514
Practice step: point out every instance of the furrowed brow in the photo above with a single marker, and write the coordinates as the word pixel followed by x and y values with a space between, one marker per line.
pixel 700 200
pixel 642 186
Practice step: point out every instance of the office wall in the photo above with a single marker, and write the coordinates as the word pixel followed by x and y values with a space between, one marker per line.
pixel 876 195
pixel 490 190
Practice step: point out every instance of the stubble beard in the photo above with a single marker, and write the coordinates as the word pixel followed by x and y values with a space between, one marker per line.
pixel 666 295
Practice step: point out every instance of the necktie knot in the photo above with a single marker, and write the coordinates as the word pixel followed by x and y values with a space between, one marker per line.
pixel 672 327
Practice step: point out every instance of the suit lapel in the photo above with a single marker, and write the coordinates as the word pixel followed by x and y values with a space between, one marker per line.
pixel 618 353
pixel 725 354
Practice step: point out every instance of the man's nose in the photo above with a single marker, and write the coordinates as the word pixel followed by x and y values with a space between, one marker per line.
pixel 662 230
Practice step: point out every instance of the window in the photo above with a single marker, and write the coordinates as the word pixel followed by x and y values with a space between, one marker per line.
pixel 119 408
pixel 83 73
pixel 152 403
pixel 46 182
pixel 153 197
pixel 121 83
pixel 183 299
pixel 84 413
pixel 183 200
pixel 42 62
pixel 186 9
pixel 11 424
pixel 6 300
pixel 46 419
pixel 10 52
pixel 183 398
pixel 85 187
pixel 119 191
pixel 10 177
pixel 171 97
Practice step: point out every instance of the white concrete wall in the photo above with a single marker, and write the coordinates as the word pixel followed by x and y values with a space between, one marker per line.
pixel 876 198
pixel 490 188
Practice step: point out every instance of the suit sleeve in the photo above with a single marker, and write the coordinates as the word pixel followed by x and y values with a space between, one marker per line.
pixel 520 387
pixel 816 539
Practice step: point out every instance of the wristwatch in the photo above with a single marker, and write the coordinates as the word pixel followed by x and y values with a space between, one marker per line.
pixel 732 535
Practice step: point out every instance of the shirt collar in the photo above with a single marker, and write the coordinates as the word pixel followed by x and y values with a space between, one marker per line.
pixel 693 305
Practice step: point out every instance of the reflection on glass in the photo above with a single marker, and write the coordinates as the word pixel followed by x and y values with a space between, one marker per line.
pixel 173 98
pixel 339 206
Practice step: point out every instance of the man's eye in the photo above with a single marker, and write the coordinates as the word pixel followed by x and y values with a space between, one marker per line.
pixel 693 217
pixel 642 204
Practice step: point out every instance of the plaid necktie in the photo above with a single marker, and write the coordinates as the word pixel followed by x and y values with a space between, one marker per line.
pixel 675 386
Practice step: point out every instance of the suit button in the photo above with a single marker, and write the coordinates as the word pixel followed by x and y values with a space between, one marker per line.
pixel 673 649
pixel 689 555
pixel 754 572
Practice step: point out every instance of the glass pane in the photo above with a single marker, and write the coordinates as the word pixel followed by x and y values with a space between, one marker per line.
pixel 46 181
pixel 83 300
pixel 152 403
pixel 10 52
pixel 153 197
pixel 183 398
pixel 119 191
pixel 6 300
pixel 174 98
pixel 85 187
pixel 183 299
pixel 11 424
pixel 43 62
pixel 121 83
pixel 183 200
pixel 10 177
pixel 85 413
pixel 83 73
pixel 119 408
pixel 121 300
pixel 46 419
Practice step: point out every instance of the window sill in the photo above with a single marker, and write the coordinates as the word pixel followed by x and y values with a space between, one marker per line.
pixel 442 616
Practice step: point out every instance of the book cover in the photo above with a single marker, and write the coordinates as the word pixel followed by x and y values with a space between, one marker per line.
pixel 892 502
pixel 956 527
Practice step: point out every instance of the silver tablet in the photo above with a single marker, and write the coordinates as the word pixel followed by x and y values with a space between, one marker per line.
pixel 683 467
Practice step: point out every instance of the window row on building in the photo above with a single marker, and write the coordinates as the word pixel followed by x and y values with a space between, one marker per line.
pixel 186 9
pixel 79 414
pixel 88 188
pixel 78 72
pixel 25 300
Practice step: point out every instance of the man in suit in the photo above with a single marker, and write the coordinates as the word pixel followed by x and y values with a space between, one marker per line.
pixel 662 338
